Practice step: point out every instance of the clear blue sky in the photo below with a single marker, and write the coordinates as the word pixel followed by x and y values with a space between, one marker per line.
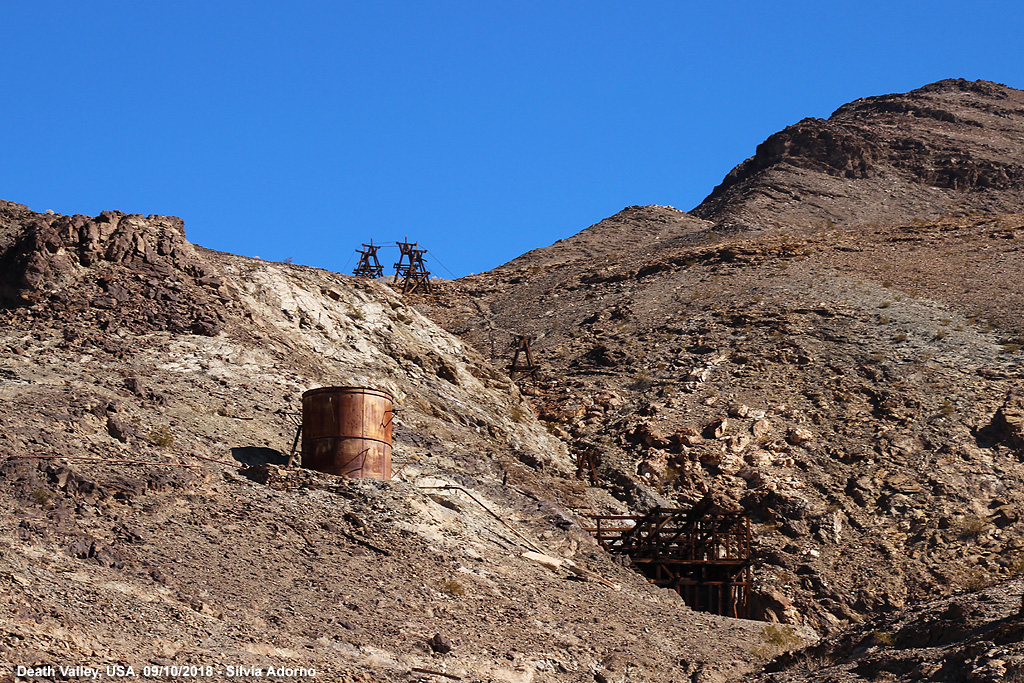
pixel 480 128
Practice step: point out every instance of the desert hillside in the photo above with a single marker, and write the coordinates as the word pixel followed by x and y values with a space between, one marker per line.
pixel 829 345
pixel 845 371
pixel 150 391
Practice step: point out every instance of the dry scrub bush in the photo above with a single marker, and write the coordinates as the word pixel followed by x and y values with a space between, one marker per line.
pixel 777 638
pixel 41 496
pixel 161 436
pixel 972 526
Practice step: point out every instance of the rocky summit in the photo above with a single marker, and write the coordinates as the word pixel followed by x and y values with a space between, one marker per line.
pixel 829 345
pixel 950 147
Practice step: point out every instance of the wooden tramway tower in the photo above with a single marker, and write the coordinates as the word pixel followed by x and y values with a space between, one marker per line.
pixel 702 555
pixel 368 265
pixel 527 366
pixel 410 269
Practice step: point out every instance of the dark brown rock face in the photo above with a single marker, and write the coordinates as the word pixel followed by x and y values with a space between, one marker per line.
pixel 113 268
pixel 950 147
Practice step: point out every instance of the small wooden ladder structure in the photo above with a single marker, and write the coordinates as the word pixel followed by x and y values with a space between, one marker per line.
pixel 702 555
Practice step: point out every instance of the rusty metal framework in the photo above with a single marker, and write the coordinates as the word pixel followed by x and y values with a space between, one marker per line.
pixel 368 265
pixel 704 556
pixel 527 367
pixel 410 269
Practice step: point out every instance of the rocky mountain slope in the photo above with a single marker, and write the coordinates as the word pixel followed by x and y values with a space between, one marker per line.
pixel 863 424
pixel 149 395
pixel 830 342
pixel 971 637
pixel 948 148
pixel 847 372
pixel 635 230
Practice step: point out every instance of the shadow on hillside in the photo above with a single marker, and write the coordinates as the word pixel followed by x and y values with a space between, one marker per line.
pixel 256 455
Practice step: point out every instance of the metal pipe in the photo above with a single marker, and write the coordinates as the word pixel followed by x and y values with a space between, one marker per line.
pixel 489 511
pixel 104 460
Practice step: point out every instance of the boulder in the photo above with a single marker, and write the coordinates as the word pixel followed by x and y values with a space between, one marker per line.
pixel 1008 422
pixel 798 436
pixel 761 429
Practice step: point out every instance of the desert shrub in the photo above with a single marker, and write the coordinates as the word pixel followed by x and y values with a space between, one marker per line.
pixel 972 526
pixel 162 436
pixel 41 496
pixel 777 638
pixel 642 380
pixel 781 636
pixel 816 662
pixel 976 580
pixel 882 638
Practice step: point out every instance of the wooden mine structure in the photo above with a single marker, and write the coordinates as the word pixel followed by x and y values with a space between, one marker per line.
pixel 586 465
pixel 368 265
pixel 702 555
pixel 410 268
pixel 527 367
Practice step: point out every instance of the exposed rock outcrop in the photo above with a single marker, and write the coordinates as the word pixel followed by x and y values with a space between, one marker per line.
pixel 130 271
pixel 950 148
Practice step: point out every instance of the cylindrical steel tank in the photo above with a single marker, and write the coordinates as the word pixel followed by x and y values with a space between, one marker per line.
pixel 347 430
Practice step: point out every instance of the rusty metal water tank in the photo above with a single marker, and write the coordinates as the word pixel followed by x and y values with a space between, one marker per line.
pixel 347 430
